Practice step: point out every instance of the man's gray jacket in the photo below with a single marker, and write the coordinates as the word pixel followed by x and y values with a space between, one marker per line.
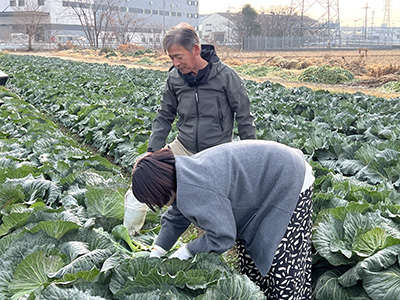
pixel 206 107
pixel 244 189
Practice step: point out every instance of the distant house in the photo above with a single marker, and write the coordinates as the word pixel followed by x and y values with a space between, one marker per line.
pixel 217 28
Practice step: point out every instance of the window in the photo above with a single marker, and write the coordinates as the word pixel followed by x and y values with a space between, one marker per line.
pixel 179 14
pixel 40 2
pixel 21 2
pixel 147 11
pixel 154 12
pixel 13 3
pixel 137 10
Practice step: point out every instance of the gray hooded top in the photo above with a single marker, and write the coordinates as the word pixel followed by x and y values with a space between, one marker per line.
pixel 246 189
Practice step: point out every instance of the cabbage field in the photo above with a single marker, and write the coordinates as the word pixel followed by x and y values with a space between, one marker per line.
pixel 61 199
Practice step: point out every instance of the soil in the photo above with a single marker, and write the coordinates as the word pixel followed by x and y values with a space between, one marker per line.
pixel 371 68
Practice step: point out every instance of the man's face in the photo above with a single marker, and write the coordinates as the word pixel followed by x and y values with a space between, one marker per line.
pixel 183 59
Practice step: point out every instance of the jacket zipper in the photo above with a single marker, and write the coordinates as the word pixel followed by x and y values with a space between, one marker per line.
pixel 220 115
pixel 197 120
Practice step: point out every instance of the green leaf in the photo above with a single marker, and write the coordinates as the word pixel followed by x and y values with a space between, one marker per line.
pixel 235 287
pixel 31 273
pixel 14 220
pixel 104 202
pixel 55 228
pixel 384 284
pixel 372 241
pixel 84 292
pixel 377 262
pixel 328 240
pixel 86 262
pixel 328 287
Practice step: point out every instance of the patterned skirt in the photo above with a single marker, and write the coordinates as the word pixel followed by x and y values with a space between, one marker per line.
pixel 290 273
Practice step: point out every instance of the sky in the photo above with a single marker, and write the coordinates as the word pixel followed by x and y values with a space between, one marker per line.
pixel 351 12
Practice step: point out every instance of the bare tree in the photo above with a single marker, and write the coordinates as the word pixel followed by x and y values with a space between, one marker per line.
pixel 95 17
pixel 153 36
pixel 124 26
pixel 31 19
pixel 274 20
pixel 245 24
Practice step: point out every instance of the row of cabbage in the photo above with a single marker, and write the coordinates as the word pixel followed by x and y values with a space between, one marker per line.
pixel 61 235
pixel 352 141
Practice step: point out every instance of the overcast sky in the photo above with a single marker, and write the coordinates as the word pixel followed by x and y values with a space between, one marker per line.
pixel 351 11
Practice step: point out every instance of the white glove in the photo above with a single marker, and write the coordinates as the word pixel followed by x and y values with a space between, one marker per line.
pixel 182 253
pixel 157 251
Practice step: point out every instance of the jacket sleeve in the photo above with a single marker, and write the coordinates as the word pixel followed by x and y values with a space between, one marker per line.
pixel 213 213
pixel 173 224
pixel 163 120
pixel 240 104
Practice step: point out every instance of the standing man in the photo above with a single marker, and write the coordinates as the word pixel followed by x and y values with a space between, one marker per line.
pixel 206 94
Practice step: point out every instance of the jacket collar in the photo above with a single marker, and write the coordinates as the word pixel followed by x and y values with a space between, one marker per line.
pixel 207 53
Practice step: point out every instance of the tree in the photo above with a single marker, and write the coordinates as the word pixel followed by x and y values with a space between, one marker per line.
pixel 95 17
pixel 31 19
pixel 245 24
pixel 274 21
pixel 251 24
pixel 124 27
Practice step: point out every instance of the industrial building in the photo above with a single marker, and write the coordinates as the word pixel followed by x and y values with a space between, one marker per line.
pixel 60 20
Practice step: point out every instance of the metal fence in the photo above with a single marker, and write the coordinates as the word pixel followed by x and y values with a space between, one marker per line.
pixel 262 43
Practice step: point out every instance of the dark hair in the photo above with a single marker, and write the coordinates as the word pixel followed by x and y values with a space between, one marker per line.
pixel 154 178
pixel 182 34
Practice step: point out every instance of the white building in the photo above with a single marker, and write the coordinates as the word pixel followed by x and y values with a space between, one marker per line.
pixel 217 28
pixel 61 22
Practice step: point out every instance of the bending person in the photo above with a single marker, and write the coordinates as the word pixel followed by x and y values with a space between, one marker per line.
pixel 257 194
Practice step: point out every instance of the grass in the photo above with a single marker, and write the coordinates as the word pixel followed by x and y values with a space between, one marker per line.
pixel 256 70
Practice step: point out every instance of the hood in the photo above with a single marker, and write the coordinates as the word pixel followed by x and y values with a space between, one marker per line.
pixel 207 53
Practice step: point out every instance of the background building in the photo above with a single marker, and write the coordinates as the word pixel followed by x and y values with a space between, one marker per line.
pixel 217 28
pixel 73 20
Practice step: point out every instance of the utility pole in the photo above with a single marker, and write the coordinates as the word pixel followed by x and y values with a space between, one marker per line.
pixel 326 27
pixel 163 19
pixel 386 16
pixel 372 25
pixel 366 18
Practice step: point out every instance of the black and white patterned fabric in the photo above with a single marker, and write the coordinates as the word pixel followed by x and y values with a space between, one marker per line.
pixel 290 274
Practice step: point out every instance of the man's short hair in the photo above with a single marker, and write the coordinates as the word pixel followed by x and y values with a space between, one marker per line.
pixel 182 34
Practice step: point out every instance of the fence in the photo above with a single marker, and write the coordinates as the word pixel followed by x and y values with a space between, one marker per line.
pixel 262 43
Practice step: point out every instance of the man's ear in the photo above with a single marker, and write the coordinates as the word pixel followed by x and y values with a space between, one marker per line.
pixel 196 49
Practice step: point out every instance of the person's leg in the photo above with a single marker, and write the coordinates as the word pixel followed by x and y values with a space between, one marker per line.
pixel 290 273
